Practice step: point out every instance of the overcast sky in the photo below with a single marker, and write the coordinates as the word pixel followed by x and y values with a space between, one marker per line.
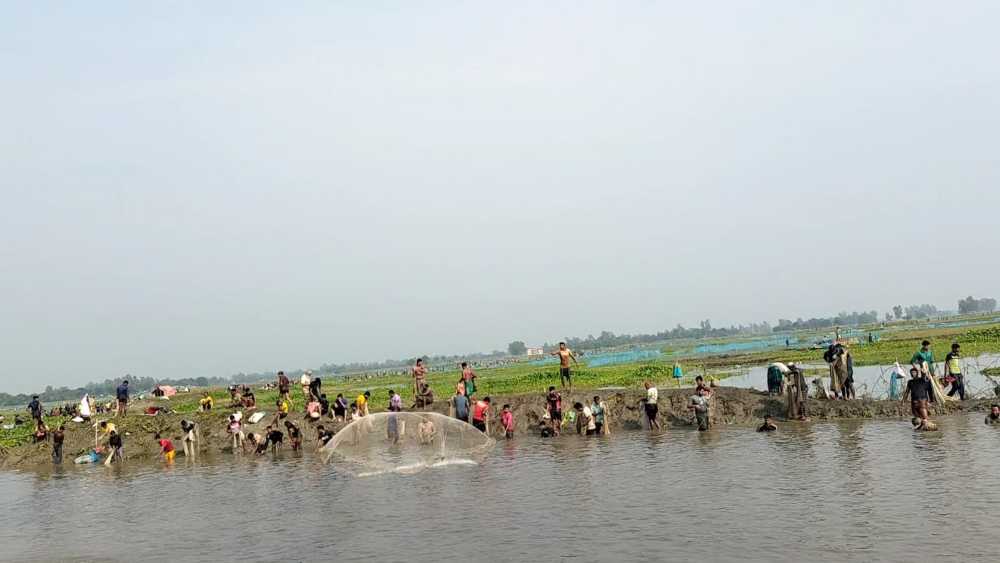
pixel 205 189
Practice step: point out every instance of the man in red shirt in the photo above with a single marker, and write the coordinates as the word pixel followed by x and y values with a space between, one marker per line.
pixel 166 449
pixel 480 414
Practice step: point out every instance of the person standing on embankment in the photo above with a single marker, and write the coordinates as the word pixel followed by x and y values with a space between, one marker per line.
pixel 419 378
pixel 284 387
pixel 953 372
pixel 36 410
pixel 468 380
pixel 565 355
pixel 798 394
pixel 924 355
pixel 121 395
pixel 848 361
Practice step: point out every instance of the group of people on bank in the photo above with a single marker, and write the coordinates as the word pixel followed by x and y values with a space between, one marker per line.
pixel 923 387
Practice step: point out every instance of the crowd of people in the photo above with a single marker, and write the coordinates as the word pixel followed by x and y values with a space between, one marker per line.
pixel 589 418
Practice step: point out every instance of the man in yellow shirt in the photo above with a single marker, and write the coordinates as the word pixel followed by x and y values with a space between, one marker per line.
pixel 207 402
pixel 362 403
pixel 103 429
pixel 953 372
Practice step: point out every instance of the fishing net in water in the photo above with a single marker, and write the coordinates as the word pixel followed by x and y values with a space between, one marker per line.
pixel 406 442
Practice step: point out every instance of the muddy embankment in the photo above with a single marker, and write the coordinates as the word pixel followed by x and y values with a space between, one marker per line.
pixel 730 407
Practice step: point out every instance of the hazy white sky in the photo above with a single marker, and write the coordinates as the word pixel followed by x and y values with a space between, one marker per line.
pixel 205 188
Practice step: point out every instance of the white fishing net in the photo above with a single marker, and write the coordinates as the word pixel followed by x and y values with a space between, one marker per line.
pixel 406 442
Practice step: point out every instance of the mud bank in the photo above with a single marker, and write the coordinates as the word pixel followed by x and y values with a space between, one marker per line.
pixel 730 407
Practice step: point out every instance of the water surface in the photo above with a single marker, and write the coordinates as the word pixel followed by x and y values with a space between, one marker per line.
pixel 845 491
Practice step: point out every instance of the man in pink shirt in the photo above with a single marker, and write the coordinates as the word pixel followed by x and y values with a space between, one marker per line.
pixel 507 420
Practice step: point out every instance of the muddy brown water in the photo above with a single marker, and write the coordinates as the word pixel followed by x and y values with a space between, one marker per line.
pixel 825 491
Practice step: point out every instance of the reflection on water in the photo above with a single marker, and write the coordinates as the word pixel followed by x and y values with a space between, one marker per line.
pixel 847 491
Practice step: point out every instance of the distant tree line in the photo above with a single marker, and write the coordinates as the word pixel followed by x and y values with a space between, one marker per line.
pixel 972 305
pixel 608 339
pixel 843 319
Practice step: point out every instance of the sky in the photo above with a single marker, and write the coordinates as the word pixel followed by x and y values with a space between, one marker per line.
pixel 199 189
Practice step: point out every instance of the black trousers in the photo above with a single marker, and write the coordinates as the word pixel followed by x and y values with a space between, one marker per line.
pixel 958 387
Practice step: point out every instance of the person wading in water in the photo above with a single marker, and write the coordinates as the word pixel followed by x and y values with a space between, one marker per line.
pixel 920 393
pixel 994 416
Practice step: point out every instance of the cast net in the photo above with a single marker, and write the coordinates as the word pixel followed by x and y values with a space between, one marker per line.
pixel 406 442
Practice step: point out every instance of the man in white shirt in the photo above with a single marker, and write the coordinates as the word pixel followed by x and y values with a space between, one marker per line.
pixel 588 419
pixel 305 381
pixel 651 405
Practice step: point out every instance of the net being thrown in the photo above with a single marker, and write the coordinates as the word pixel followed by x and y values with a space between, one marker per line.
pixel 406 442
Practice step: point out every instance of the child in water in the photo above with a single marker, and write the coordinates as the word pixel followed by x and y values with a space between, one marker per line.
pixel 507 420
pixel 545 429
pixel 294 435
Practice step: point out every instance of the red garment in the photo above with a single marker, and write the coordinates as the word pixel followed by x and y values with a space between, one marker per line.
pixel 167 446
pixel 479 410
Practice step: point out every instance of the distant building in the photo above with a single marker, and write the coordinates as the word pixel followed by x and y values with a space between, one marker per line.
pixel 535 352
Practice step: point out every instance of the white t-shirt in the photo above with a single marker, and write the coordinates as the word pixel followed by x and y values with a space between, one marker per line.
pixel 589 415
pixel 306 380
pixel 652 395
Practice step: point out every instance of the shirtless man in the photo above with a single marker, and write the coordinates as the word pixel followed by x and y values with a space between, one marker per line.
pixel 565 355
pixel 419 377
pixel 426 431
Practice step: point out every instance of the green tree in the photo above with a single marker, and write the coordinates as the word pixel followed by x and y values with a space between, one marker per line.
pixel 517 348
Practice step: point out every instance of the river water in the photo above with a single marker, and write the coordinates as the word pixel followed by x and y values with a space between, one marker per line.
pixel 843 491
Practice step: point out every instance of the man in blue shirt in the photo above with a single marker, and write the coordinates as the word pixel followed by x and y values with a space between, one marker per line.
pixel 121 394
pixel 461 403
pixel 35 408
